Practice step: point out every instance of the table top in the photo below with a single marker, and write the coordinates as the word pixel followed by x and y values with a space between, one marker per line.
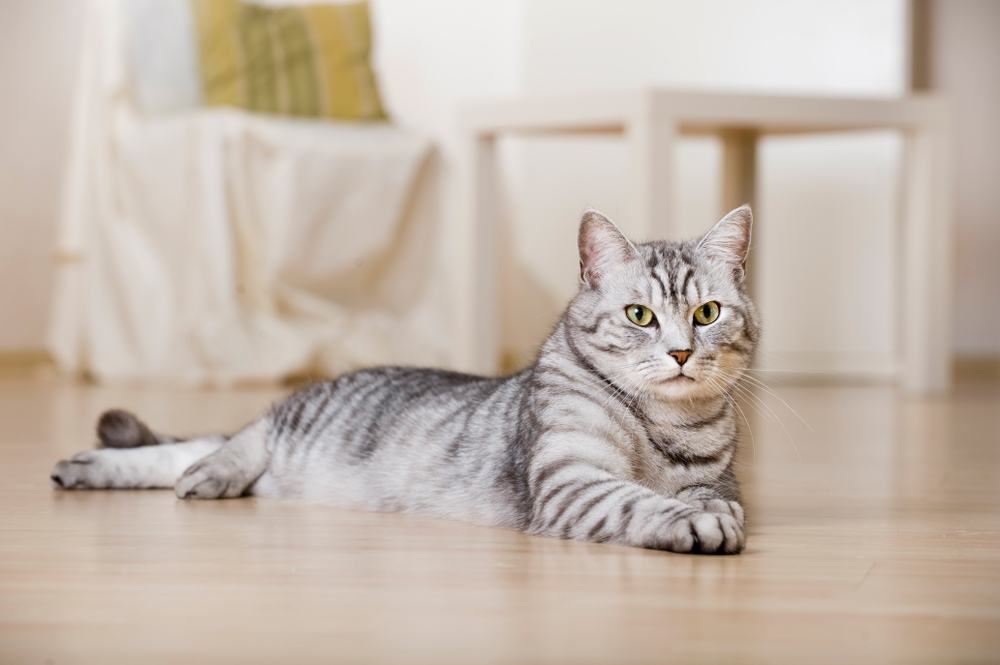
pixel 700 111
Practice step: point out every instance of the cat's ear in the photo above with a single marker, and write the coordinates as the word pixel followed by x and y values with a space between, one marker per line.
pixel 603 248
pixel 729 239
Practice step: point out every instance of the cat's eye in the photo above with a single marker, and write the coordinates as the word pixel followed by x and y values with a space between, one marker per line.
pixel 707 313
pixel 640 315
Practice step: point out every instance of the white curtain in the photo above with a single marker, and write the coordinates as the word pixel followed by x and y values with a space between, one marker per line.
pixel 209 247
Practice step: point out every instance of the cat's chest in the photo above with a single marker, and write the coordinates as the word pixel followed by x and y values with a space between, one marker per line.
pixel 677 456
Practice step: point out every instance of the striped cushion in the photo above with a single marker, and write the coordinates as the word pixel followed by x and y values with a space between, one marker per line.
pixel 304 60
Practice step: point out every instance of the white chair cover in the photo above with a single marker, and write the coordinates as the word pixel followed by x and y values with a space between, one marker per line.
pixel 210 247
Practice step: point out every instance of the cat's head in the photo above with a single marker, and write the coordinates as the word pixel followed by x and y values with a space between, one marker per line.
pixel 668 320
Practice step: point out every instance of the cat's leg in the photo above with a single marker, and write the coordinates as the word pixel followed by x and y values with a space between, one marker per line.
pixel 575 499
pixel 142 467
pixel 231 470
pixel 720 496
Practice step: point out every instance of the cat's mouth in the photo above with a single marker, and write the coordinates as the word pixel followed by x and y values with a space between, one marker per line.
pixel 677 378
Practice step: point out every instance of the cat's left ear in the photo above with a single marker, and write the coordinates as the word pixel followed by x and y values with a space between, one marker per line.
pixel 729 239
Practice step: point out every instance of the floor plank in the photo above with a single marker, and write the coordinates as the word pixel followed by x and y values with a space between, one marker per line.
pixel 875 535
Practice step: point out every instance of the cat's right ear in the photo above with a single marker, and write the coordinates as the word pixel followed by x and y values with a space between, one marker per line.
pixel 603 248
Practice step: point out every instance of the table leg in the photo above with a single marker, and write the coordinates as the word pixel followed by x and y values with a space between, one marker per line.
pixel 650 137
pixel 925 314
pixel 739 184
pixel 473 261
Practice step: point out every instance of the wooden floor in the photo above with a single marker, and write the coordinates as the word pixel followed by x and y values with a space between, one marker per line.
pixel 875 537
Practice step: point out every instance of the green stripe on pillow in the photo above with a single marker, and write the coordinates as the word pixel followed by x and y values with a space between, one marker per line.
pixel 299 84
pixel 303 60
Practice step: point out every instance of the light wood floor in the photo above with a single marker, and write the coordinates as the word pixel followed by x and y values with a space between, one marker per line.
pixel 875 537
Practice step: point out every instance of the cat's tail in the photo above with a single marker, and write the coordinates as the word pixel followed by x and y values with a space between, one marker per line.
pixel 117 428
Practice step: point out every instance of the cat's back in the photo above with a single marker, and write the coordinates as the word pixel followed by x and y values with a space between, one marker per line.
pixel 371 436
pixel 370 395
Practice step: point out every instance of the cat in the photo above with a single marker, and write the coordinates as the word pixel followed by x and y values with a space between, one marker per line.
pixel 622 431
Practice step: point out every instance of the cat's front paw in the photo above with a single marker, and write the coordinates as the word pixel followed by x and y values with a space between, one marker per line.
pixel 708 502
pixel 706 533
pixel 210 478
pixel 721 507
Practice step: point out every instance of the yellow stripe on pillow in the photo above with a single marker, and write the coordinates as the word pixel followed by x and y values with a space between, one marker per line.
pixel 218 51
pixel 305 60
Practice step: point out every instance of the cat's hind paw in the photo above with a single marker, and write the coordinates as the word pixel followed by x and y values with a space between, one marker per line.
pixel 78 472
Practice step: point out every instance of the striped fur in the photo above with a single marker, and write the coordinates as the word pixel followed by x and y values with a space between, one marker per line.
pixel 605 437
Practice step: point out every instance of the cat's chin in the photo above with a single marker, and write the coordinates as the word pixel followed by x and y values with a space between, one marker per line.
pixel 682 387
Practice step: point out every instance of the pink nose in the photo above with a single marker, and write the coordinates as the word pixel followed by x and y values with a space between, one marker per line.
pixel 680 356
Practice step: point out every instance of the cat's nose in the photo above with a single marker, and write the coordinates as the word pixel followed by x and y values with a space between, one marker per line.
pixel 680 356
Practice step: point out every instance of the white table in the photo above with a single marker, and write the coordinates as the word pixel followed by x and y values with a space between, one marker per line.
pixel 650 122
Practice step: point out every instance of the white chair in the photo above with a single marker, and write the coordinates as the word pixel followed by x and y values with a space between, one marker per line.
pixel 213 246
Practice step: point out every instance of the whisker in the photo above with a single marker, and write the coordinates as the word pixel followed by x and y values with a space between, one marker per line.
pixel 763 386
pixel 788 371
pixel 744 390
pixel 729 398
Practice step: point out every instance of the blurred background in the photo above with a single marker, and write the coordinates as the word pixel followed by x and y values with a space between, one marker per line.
pixel 207 192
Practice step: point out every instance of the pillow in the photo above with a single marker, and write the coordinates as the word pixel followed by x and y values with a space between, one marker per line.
pixel 302 60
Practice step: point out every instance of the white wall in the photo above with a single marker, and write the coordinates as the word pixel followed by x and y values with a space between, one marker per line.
pixel 829 195
pixel 818 196
pixel 433 56
pixel 38 45
pixel 965 65
pixel 826 207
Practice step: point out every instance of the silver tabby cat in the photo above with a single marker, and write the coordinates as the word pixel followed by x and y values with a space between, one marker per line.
pixel 623 431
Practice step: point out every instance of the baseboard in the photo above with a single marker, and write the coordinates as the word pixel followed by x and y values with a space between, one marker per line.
pixel 967 368
pixel 834 368
pixel 19 361
pixel 977 368
pixel 814 367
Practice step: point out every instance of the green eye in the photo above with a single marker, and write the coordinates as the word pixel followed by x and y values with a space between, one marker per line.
pixel 707 313
pixel 640 315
